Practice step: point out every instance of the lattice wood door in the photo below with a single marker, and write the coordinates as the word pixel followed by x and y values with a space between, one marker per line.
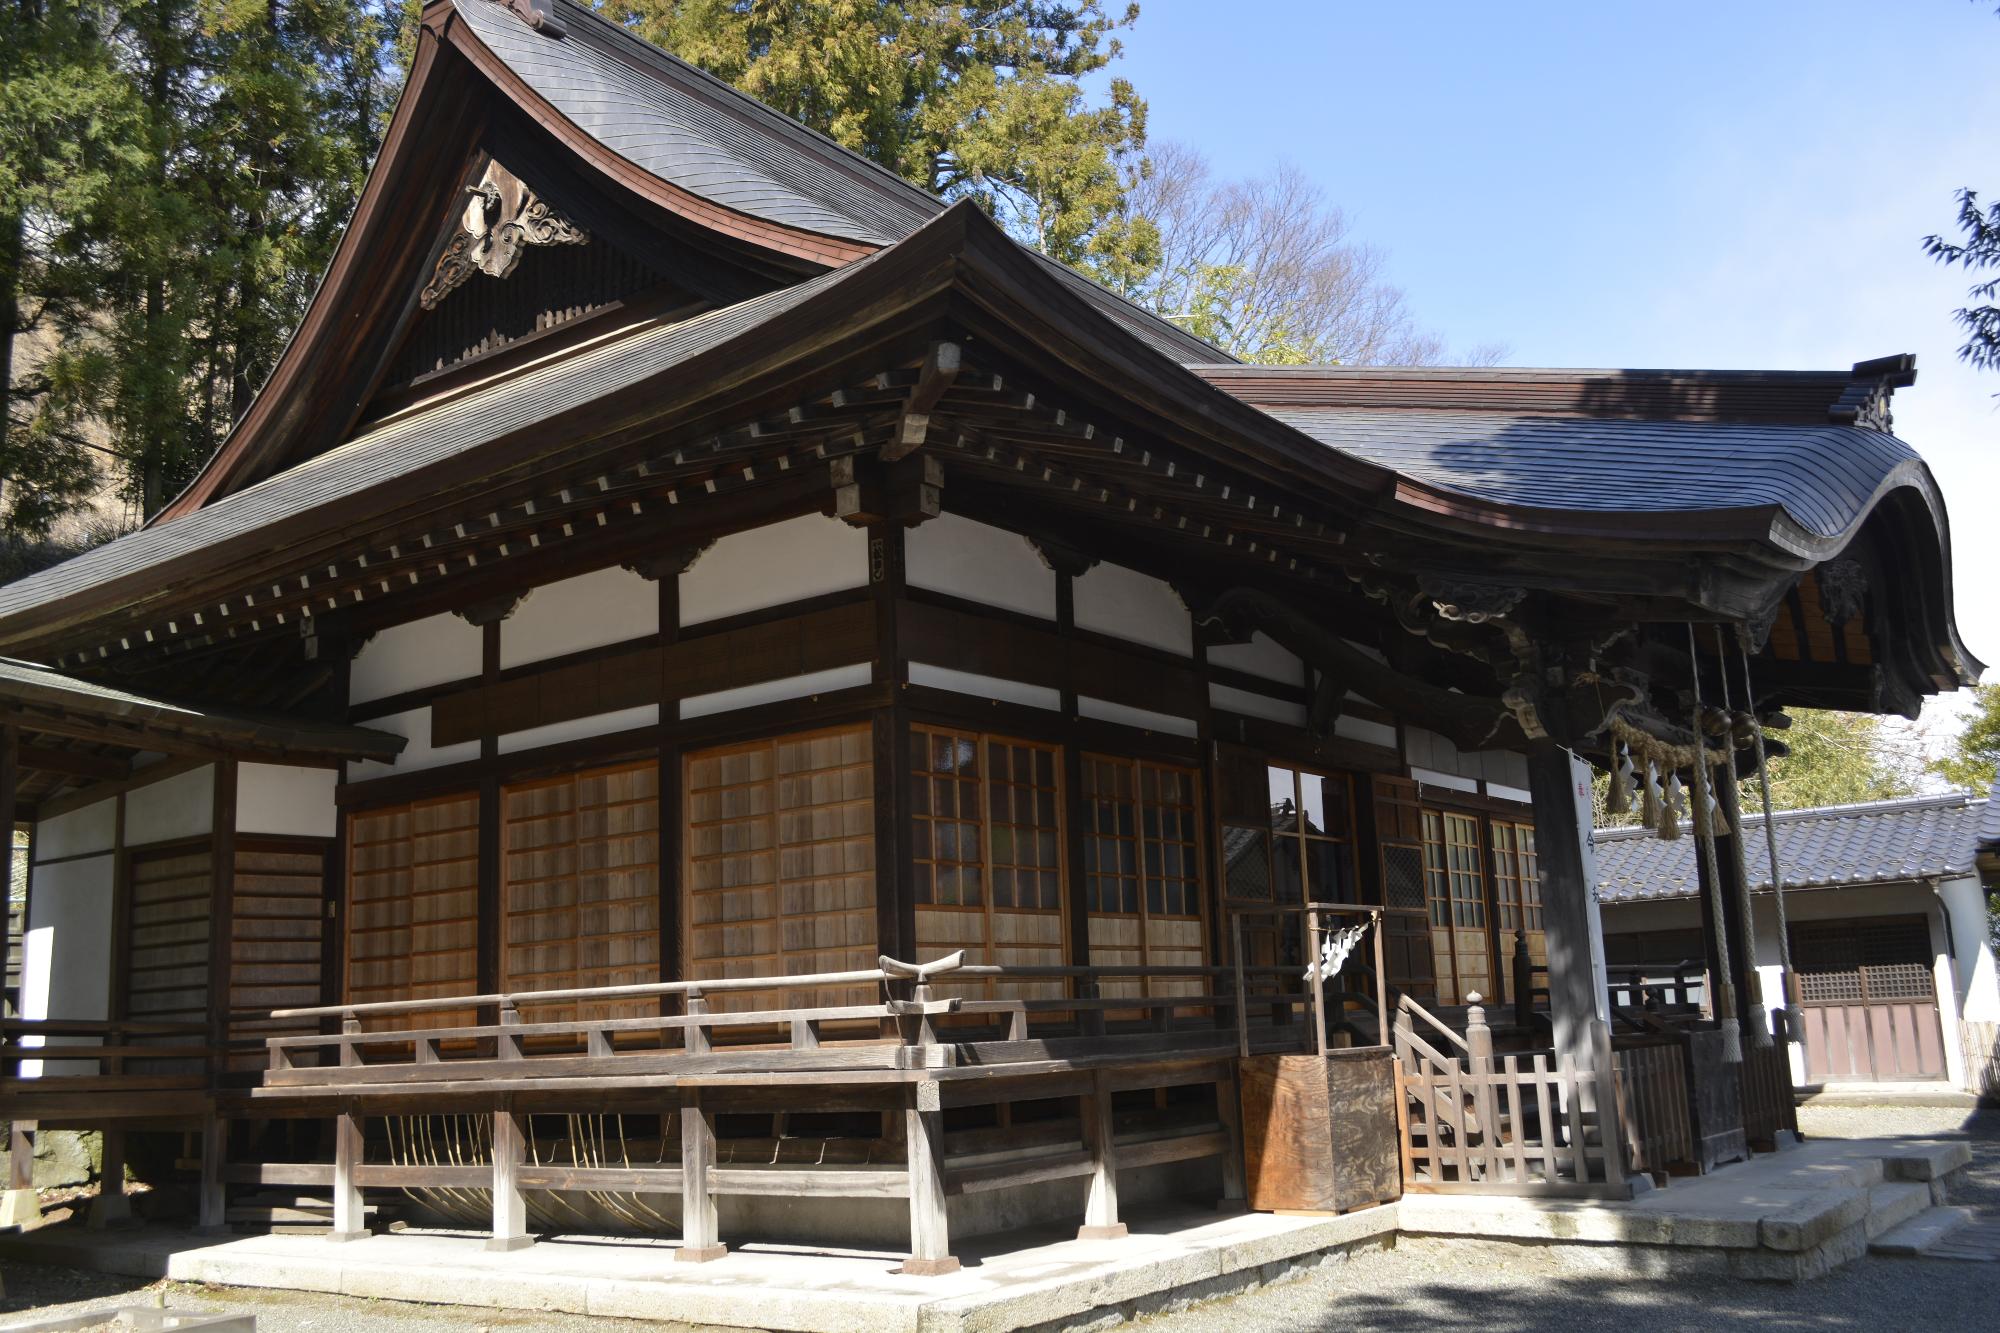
pixel 580 888
pixel 987 863
pixel 1142 862
pixel 413 906
pixel 781 864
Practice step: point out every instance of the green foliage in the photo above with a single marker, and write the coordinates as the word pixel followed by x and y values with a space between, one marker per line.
pixel 1835 759
pixel 1974 761
pixel 1977 252
pixel 178 172
pixel 981 101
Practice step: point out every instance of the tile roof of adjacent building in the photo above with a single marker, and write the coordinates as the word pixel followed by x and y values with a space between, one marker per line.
pixel 1878 842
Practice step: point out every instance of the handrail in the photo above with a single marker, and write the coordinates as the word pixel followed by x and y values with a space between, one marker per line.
pixel 933 972
pixel 1406 1005
pixel 96 1027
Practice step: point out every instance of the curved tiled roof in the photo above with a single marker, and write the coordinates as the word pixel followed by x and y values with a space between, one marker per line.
pixel 1825 477
pixel 1879 842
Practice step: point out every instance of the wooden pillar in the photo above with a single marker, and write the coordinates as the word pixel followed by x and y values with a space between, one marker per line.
pixel 672 819
pixel 19 1206
pixel 1100 1209
pixel 930 1231
pixel 1229 1113
pixel 895 909
pixel 112 1206
pixel 1568 900
pixel 222 912
pixel 701 1238
pixel 350 1218
pixel 10 775
pixel 510 1206
pixel 212 1203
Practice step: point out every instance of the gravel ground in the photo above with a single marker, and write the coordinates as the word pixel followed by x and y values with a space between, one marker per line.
pixel 1422 1286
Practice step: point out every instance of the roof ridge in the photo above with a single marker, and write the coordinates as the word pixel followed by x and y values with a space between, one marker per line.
pixel 628 43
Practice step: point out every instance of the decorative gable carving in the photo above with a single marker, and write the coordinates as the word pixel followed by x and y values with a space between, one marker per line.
pixel 501 220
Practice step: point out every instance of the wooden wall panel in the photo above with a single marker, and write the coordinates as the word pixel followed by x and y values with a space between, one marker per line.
pixel 580 887
pixel 276 929
pixel 167 930
pixel 412 893
pixel 780 864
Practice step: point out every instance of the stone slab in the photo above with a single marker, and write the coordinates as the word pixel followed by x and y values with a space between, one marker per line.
pixel 1895 1202
pixel 1007 1282
pixel 1920 1233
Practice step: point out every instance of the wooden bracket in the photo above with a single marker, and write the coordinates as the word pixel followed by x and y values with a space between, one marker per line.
pixel 490 610
pixel 866 491
pixel 939 370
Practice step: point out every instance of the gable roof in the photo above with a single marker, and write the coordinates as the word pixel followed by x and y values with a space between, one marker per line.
pixel 1877 842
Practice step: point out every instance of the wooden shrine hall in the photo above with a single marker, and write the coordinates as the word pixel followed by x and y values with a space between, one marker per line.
pixel 714 694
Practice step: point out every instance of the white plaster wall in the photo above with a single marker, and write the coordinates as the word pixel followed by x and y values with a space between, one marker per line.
pixel 769 566
pixel 984 687
pixel 980 563
pixel 1349 727
pixel 419 754
pixel 1944 977
pixel 281 799
pixel 1978 982
pixel 94 828
pixel 601 724
pixel 771 691
pixel 433 651
pixel 1251 704
pixel 66 951
pixel 1260 657
pixel 1129 605
pixel 182 806
pixel 1104 710
pixel 588 611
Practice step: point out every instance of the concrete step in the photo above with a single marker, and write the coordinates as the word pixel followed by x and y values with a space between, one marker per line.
pixel 1920 1233
pixel 1894 1202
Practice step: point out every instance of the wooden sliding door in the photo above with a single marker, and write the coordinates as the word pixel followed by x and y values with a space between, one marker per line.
pixel 580 888
pixel 413 905
pixel 1142 865
pixel 987 857
pixel 781 864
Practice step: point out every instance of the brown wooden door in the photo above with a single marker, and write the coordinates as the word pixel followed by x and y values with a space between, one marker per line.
pixel 1869 1000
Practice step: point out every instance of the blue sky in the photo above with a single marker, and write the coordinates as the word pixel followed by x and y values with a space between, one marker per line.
pixel 1610 184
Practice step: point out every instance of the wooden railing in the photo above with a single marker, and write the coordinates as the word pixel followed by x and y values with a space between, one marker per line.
pixel 1522 1123
pixel 171 1056
pixel 912 1054
pixel 1675 988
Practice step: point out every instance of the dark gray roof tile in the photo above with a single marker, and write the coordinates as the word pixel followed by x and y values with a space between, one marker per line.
pixel 1874 843
pixel 1823 477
